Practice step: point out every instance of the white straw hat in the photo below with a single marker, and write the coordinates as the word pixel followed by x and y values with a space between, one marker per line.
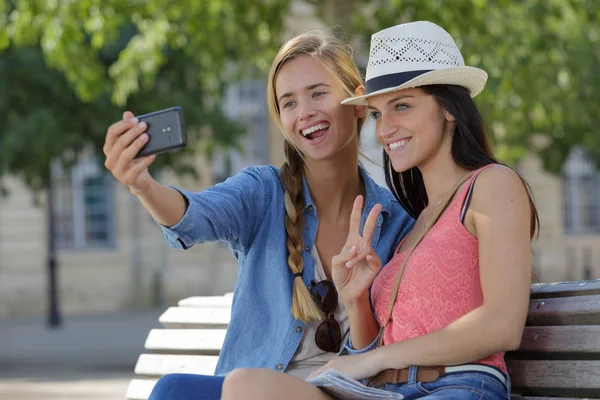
pixel 416 54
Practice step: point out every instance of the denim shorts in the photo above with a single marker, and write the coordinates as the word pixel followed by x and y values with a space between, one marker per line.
pixel 457 385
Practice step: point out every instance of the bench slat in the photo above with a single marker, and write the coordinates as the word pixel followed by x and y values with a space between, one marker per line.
pixel 206 301
pixel 538 398
pixel 140 389
pixel 564 289
pixel 194 318
pixel 562 339
pixel 198 341
pixel 156 365
pixel 573 378
pixel 580 310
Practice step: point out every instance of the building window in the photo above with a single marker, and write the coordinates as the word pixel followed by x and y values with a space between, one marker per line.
pixel 581 195
pixel 83 207
pixel 246 103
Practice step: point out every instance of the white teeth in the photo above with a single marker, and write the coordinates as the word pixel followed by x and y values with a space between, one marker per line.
pixel 308 131
pixel 397 145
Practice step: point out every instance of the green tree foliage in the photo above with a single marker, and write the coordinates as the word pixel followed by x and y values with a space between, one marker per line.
pixel 217 36
pixel 44 119
pixel 543 60
pixel 68 68
pixel 86 60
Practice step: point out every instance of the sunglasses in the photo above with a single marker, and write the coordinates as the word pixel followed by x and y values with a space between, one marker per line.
pixel 328 336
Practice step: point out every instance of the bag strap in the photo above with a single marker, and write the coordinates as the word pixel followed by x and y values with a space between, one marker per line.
pixel 438 212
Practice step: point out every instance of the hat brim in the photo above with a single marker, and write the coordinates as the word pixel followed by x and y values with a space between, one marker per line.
pixel 471 78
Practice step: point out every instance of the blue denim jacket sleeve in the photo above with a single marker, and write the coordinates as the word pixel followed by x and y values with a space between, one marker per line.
pixel 229 211
pixel 371 346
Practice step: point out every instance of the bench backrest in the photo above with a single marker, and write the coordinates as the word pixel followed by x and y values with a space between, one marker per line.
pixel 190 343
pixel 560 350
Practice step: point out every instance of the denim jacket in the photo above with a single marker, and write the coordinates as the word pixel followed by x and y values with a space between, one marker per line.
pixel 247 211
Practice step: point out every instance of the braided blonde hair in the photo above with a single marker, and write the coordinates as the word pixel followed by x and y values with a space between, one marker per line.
pixel 336 57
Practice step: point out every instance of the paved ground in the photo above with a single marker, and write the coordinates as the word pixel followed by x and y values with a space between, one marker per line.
pixel 69 385
pixel 89 357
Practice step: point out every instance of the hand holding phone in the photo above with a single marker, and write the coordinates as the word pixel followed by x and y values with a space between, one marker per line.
pixel 166 131
pixel 131 144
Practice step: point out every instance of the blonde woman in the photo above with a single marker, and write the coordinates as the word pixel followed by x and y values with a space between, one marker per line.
pixel 283 225
pixel 454 297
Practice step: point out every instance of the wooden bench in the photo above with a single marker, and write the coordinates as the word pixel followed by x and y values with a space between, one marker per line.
pixel 559 356
pixel 560 351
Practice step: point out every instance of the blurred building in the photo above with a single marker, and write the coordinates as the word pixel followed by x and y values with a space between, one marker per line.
pixel 112 255
pixel 568 247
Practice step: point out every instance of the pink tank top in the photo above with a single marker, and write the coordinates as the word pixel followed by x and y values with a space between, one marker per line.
pixel 440 282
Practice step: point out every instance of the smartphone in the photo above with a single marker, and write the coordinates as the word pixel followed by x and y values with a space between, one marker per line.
pixel 166 131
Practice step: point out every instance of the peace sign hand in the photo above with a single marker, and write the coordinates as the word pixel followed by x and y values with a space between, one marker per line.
pixel 354 269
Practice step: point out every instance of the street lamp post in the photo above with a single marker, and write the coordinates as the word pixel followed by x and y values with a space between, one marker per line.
pixel 54 319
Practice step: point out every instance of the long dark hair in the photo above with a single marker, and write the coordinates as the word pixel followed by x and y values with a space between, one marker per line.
pixel 471 150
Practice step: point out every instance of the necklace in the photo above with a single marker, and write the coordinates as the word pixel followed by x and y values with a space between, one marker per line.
pixel 426 224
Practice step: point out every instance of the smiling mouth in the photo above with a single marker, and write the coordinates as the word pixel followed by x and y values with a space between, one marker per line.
pixel 398 145
pixel 316 131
